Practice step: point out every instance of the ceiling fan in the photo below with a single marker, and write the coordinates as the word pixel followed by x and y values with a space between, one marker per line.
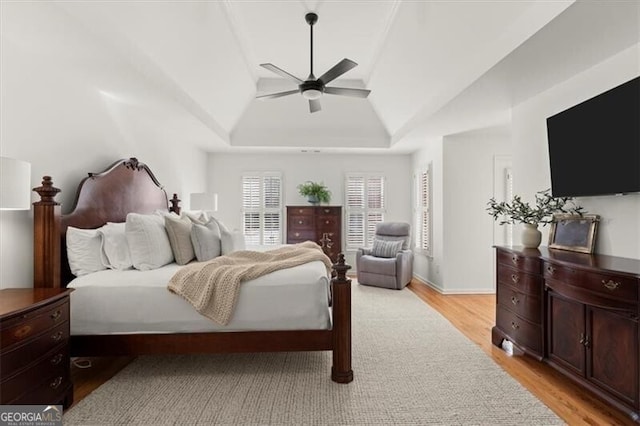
pixel 312 88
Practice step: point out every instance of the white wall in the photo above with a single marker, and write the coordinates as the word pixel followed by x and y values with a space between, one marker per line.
pixel 429 268
pixel 468 183
pixel 619 232
pixel 225 174
pixel 70 105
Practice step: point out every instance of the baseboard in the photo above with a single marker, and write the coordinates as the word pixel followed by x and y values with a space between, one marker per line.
pixel 440 290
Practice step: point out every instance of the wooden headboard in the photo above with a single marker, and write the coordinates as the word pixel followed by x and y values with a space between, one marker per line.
pixel 127 186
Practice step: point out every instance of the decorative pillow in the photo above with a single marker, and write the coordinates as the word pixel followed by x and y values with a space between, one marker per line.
pixel 196 216
pixel 84 251
pixel 148 241
pixel 115 249
pixel 206 240
pixel 231 240
pixel 385 248
pixel 179 232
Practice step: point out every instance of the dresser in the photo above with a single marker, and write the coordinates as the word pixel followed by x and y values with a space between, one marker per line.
pixel 322 224
pixel 34 347
pixel 576 312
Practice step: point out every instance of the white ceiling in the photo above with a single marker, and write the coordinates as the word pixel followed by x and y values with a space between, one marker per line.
pixel 418 57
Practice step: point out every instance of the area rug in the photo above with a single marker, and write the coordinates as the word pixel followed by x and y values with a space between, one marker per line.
pixel 411 367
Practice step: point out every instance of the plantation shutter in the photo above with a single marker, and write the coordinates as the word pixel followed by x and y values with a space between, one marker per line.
pixel 262 208
pixel 364 208
pixel 423 210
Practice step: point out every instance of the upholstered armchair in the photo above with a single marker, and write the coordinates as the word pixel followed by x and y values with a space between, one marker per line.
pixel 389 262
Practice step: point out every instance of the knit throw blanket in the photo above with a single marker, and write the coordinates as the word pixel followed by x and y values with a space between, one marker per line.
pixel 212 287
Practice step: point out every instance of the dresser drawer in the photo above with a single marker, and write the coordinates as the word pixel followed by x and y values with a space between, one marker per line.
pixel 300 235
pixel 527 283
pixel 52 391
pixel 329 211
pixel 518 261
pixel 306 211
pixel 31 324
pixel 21 355
pixel 19 387
pixel 524 305
pixel 612 286
pixel 327 223
pixel 300 222
pixel 520 331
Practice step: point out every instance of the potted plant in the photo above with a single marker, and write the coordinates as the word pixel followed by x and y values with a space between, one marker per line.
pixel 518 211
pixel 315 192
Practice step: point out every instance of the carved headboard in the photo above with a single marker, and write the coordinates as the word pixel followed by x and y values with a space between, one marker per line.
pixel 127 186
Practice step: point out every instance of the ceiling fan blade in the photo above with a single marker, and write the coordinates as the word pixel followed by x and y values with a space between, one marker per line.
pixel 344 91
pixel 281 72
pixel 314 105
pixel 278 95
pixel 337 70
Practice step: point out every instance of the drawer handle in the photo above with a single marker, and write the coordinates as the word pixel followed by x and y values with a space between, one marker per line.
pixel 514 325
pixel 581 341
pixel 326 222
pixel 327 210
pixel 300 222
pixel 57 336
pixel 514 259
pixel 22 332
pixel 514 300
pixel 56 315
pixel 551 269
pixel 611 285
pixel 300 211
pixel 297 234
pixel 515 278
pixel 56 359
pixel 56 383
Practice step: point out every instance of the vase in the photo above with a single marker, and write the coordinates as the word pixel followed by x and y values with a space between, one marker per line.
pixel 530 236
pixel 313 199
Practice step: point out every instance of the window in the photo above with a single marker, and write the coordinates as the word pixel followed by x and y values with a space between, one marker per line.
pixel 423 210
pixel 262 208
pixel 364 208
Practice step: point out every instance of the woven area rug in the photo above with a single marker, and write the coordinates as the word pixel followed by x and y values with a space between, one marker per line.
pixel 411 367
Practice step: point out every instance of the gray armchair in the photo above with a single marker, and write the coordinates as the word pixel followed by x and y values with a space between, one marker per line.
pixel 390 267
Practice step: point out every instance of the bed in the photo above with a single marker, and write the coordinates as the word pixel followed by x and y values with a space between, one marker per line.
pixel 129 186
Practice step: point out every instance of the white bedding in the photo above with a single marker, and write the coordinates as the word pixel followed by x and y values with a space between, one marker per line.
pixel 132 301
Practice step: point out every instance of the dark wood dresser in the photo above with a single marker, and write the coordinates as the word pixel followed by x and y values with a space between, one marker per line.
pixel 322 224
pixel 34 347
pixel 578 313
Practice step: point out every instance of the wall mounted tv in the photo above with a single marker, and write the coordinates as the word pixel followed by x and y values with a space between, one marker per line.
pixel 594 147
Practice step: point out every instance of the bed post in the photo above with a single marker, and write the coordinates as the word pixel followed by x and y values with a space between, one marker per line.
pixel 46 236
pixel 341 371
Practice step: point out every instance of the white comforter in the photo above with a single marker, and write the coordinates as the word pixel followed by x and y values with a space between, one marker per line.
pixel 117 302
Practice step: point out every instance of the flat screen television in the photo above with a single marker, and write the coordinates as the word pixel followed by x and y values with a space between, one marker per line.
pixel 594 147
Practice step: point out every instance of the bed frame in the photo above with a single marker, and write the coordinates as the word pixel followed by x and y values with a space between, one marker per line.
pixel 129 186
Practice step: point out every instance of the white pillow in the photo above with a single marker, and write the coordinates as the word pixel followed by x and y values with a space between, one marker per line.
pixel 231 240
pixel 114 246
pixel 84 251
pixel 196 216
pixel 148 241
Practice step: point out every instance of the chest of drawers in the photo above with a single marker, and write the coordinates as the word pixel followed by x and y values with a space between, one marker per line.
pixel 34 347
pixel 322 224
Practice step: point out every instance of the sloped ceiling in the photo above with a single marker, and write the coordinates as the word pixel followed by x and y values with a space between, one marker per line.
pixel 416 57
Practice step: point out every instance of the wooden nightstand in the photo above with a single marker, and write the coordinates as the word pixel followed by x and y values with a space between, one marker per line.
pixel 34 347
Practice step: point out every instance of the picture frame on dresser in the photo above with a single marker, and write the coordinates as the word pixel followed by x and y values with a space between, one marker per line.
pixel 574 232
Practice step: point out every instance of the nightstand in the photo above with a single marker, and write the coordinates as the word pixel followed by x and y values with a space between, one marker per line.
pixel 34 347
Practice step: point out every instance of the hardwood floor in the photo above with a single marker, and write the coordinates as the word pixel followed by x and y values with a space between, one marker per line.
pixel 473 315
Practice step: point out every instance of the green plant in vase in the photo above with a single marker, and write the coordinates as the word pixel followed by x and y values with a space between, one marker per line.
pixel 315 192
pixel 518 211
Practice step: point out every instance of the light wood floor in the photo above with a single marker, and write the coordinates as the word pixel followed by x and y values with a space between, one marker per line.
pixel 473 315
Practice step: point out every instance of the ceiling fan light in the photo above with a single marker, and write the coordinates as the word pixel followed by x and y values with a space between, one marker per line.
pixel 312 94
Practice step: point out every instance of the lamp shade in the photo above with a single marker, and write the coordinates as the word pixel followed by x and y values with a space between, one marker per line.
pixel 15 184
pixel 204 201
